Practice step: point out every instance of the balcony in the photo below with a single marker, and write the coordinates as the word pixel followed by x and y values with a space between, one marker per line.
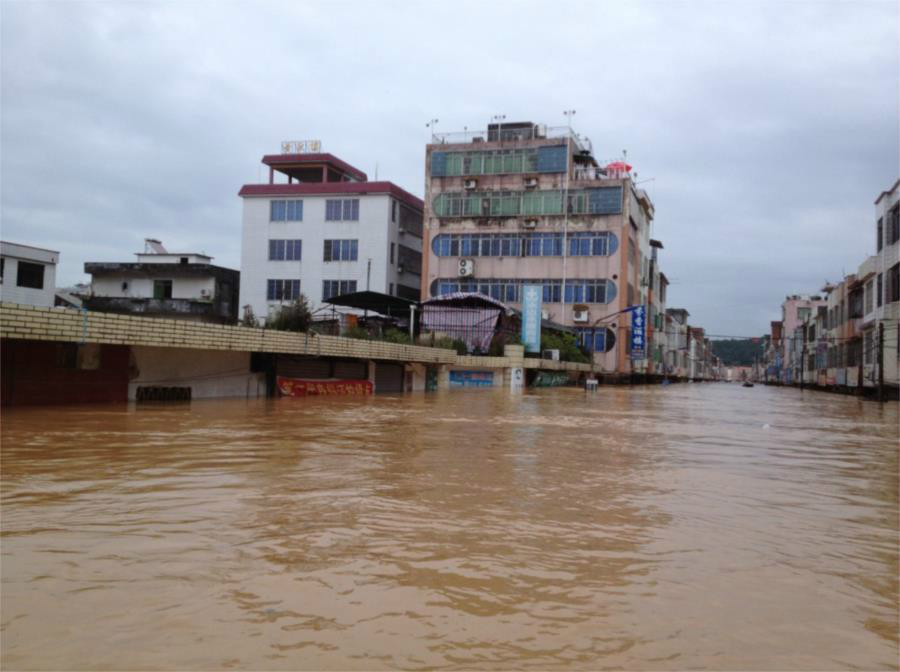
pixel 198 310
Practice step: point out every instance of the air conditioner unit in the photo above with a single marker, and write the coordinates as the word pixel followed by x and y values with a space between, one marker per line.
pixel 540 130
pixel 529 223
pixel 470 184
pixel 466 268
pixel 545 314
pixel 205 293
pixel 551 354
pixel 531 182
pixel 580 315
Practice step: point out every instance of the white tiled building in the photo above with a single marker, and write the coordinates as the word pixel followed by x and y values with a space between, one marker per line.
pixel 324 231
pixel 27 274
pixel 887 278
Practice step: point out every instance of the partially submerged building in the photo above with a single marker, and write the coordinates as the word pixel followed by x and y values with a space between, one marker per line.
pixel 183 285
pixel 27 274
pixel 523 203
pixel 320 228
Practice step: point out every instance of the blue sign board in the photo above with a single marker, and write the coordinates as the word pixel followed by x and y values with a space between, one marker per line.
pixel 638 332
pixel 531 317
pixel 471 378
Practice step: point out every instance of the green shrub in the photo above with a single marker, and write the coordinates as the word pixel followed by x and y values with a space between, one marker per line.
pixel 396 336
pixel 360 333
pixel 567 345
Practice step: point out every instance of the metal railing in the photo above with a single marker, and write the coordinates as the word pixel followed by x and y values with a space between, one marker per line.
pixel 607 170
pixel 513 134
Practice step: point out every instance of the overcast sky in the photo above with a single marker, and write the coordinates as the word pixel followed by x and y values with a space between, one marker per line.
pixel 767 128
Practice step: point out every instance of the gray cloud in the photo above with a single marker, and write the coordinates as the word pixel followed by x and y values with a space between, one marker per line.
pixel 768 128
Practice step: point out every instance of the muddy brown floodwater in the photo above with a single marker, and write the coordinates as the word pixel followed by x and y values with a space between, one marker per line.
pixel 689 526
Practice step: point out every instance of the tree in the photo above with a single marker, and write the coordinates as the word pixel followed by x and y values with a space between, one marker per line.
pixel 294 316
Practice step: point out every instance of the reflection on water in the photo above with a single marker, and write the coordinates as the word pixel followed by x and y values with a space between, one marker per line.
pixel 654 528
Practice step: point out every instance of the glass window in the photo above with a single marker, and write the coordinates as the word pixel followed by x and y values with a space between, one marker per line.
pixel 294 211
pixel 162 289
pixel 282 290
pixel 277 211
pixel 32 275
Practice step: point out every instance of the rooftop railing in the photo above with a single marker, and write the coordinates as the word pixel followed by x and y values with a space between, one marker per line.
pixel 513 134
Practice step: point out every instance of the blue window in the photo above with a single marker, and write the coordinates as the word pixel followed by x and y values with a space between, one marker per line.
pixel 599 244
pixel 285 250
pixel 589 291
pixel 605 200
pixel 332 288
pixel 286 211
pixel 341 250
pixel 345 209
pixel 282 290
pixel 552 159
pixel 597 335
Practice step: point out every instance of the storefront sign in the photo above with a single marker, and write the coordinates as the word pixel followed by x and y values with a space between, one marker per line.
pixel 638 332
pixel 531 317
pixel 471 378
pixel 300 387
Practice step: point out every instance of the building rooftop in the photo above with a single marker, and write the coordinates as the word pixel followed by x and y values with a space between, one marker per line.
pixel 314 167
pixel 332 188
pixel 31 247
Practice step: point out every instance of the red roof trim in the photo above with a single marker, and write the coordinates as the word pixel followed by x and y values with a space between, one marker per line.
pixel 298 159
pixel 326 188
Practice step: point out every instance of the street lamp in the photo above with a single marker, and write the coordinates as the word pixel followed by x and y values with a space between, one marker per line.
pixel 431 124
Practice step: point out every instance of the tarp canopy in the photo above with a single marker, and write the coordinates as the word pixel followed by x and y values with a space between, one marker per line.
pixel 467 300
pixel 383 304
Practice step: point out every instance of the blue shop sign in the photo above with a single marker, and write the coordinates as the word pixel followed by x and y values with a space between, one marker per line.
pixel 638 332
pixel 531 317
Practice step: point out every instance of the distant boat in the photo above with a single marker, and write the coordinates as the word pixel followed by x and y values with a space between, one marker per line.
pixel 747 383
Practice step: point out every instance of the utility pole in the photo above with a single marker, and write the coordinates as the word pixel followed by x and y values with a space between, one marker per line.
pixel 802 356
pixel 881 361
pixel 565 246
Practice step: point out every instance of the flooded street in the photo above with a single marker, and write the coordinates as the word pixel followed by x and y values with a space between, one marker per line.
pixel 689 526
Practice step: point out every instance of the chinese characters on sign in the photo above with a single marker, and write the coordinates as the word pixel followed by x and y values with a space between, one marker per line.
pixel 638 332
pixel 531 317
pixel 297 387
pixel 301 146
pixel 471 378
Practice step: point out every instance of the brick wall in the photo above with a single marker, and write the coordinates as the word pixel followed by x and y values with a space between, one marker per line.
pixel 66 324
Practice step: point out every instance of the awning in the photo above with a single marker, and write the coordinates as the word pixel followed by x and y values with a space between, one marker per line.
pixel 383 304
pixel 466 300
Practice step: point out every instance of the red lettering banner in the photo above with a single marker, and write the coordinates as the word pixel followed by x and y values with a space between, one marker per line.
pixel 302 387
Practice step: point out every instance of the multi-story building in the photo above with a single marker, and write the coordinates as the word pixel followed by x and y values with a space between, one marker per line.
pixel 795 311
pixel 183 285
pixel 697 353
pixel 774 354
pixel 27 274
pixel 524 204
pixel 325 230
pixel 887 284
pixel 677 352
pixel 657 286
